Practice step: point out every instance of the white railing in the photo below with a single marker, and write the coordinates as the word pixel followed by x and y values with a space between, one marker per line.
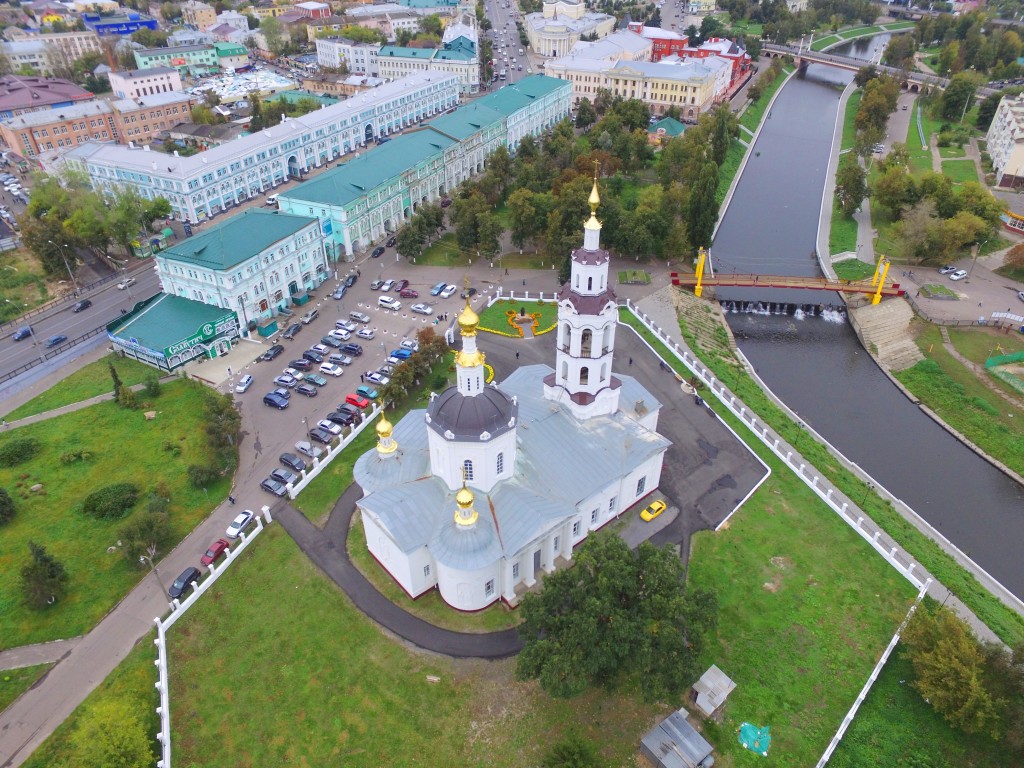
pixel 332 452
pixel 178 609
pixel 506 294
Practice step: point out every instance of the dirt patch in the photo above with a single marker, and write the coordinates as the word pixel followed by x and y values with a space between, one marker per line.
pixel 780 564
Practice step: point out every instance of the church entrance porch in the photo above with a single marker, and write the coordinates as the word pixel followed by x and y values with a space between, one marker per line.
pixel 539 574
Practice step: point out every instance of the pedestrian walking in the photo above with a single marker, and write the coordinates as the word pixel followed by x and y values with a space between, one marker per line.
pixel 517 357
pixel 506 270
pixel 979 303
pixel 362 377
pixel 631 361
pixel 231 499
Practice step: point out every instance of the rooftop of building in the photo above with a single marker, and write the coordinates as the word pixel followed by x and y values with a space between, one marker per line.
pixel 230 49
pixel 658 33
pixel 669 125
pixel 166 320
pixel 173 50
pixel 186 167
pixel 613 45
pixel 236 239
pixel 69 112
pixel 429 3
pixel 117 18
pixel 327 21
pixel 150 100
pixel 132 74
pixel 403 52
pixel 583 24
pixel 30 91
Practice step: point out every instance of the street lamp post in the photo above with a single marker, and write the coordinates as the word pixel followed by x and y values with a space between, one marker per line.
pixel 66 264
pixel 977 250
pixel 148 560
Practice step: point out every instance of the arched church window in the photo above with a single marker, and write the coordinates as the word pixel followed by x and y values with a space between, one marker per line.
pixel 608 331
pixel 565 371
pixel 604 372
pixel 584 375
pixel 467 470
pixel 566 337
pixel 590 283
pixel 500 463
pixel 586 342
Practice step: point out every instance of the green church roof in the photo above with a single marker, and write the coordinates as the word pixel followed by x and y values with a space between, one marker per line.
pixel 671 126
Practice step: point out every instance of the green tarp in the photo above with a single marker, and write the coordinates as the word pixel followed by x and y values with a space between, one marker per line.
pixel 755 739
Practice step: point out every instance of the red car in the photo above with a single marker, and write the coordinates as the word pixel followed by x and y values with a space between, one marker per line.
pixel 216 550
pixel 401 285
pixel 409 293
pixel 356 400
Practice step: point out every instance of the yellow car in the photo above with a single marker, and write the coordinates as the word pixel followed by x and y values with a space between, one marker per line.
pixel 652 511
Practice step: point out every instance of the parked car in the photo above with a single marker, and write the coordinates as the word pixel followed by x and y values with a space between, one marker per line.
pixel 436 290
pixel 368 392
pixel 55 340
pixel 272 352
pixel 286 380
pixel 376 284
pixel 359 317
pixel 960 274
pixel 244 383
pixel 284 392
pixel 408 293
pixel 350 279
pixel 366 333
pixel 309 317
pixel 346 325
pixel 320 435
pixel 339 292
pixel 387 285
pixel 322 349
pixel 652 510
pixel 422 309
pixel 402 354
pixel 357 400
pixel 331 369
pixel 389 368
pixel 339 359
pixel 391 242
pixel 315 378
pixel 275 487
pixel 330 342
pixel 401 285
pixel 377 378
pixel 448 292
pixel 947 270
pixel 308 449
pixel 387 302
pixel 185 582
pixel 215 551
pixel 342 417
pixel 411 344
pixel 377 252
pixel 292 461
pixel 352 349
pixel 274 400
pixel 240 524
pixel 79 306
pixel 294 373
pixel 313 356
pixel 341 334
pixel 125 283
pixel 292 330
pixel 446 202
pixel 284 476
pixel 307 389
pixel 329 426
pixel 271 200
pixel 22 333
pixel 302 364
pixel 468 293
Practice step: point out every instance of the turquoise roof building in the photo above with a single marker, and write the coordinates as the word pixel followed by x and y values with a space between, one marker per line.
pixel 369 197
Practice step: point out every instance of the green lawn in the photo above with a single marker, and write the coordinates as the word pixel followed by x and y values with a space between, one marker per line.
pixel 88 381
pixel 123 447
pixel 843 229
pixel 1008 625
pixel 22 284
pixel 14 682
pixel 952 151
pixel 920 159
pixel 825 42
pixel 938 289
pixel 132 681
pixel 960 170
pixel 962 401
pixel 429 607
pixel 351 695
pixel 495 317
pixel 445 252
pixel 896 727
pixel 979 344
pixel 853 269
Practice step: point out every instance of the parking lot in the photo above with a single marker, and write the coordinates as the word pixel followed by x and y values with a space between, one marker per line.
pixel 274 431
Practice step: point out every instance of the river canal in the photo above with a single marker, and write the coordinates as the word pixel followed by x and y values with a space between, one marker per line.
pixel 817 365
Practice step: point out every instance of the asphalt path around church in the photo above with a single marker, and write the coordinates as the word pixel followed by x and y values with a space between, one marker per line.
pixel 707 472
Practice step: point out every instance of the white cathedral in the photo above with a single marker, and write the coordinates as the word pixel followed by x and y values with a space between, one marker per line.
pixel 491 486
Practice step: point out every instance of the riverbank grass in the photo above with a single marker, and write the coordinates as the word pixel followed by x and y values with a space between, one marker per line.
pixel 843 229
pixel 88 381
pixel 81 452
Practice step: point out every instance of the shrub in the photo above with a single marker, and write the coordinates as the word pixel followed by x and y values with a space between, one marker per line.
pixel 152 388
pixel 6 507
pixel 200 476
pixel 126 398
pixel 72 456
pixel 143 531
pixel 43 580
pixel 111 502
pixel 172 447
pixel 18 451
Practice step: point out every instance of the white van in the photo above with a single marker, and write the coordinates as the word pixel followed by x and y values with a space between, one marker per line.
pixel 520 51
pixel 271 200
pixel 502 74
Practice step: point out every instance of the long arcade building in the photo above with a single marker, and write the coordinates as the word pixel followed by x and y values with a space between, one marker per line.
pixel 201 186
pixel 372 195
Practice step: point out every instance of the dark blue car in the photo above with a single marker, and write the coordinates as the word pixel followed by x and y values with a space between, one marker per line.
pixel 22 333
pixel 54 341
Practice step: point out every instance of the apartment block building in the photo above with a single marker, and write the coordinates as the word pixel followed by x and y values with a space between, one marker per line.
pixel 133 83
pixel 198 15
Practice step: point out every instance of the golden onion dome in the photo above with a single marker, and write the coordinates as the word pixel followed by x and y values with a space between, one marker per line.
pixel 383 427
pixel 595 199
pixel 464 498
pixel 468 320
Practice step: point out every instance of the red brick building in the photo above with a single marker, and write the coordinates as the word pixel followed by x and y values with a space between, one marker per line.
pixel 664 42
pixel 726 49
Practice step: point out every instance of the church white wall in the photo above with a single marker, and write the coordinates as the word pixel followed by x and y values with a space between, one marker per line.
pixel 405 569
pixel 589 279
pixel 468 590
pixel 650 470
pixel 448 457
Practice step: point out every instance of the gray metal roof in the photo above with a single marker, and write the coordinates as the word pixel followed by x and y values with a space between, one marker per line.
pixel 674 743
pixel 465 417
pixel 559 462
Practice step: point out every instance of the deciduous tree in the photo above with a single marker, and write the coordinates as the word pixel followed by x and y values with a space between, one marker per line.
pixel 112 734
pixel 851 187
